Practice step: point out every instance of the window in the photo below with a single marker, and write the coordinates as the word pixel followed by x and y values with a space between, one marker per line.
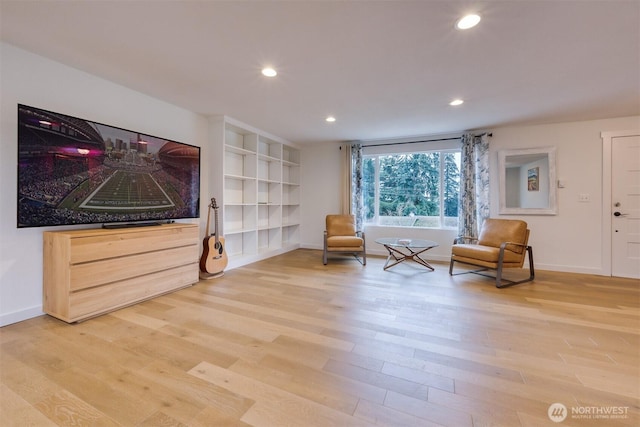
pixel 416 189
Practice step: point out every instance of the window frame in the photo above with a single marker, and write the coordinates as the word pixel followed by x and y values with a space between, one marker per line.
pixel 376 154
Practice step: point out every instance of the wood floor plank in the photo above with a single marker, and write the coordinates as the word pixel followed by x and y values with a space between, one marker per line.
pixel 419 376
pixel 159 419
pixel 324 382
pixel 291 341
pixel 210 417
pixel 482 414
pixel 15 411
pixel 105 397
pixel 277 373
pixel 156 345
pixel 383 415
pixel 377 379
pixel 182 387
pixel 436 413
pixel 268 331
pixel 274 407
pixel 611 383
pixel 140 319
pixel 24 380
pixel 64 408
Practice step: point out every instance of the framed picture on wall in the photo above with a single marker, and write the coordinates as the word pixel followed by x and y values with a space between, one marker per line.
pixel 533 179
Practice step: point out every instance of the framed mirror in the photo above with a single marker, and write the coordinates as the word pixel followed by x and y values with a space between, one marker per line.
pixel 528 181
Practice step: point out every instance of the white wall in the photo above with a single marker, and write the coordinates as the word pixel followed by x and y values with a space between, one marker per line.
pixel 570 241
pixel 33 80
pixel 320 181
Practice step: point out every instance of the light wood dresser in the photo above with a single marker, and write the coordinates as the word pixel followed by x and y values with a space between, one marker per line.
pixel 95 271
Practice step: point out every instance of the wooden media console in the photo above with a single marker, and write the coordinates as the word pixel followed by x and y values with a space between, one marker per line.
pixel 95 271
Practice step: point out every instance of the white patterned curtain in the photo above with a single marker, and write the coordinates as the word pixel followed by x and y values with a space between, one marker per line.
pixel 474 184
pixel 357 200
pixel 352 202
pixel 346 179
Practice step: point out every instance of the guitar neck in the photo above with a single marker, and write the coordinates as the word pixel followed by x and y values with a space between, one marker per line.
pixel 208 220
pixel 215 211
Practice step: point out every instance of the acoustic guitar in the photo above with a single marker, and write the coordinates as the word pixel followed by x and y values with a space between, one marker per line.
pixel 214 258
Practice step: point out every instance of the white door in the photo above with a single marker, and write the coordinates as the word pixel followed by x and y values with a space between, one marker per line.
pixel 625 196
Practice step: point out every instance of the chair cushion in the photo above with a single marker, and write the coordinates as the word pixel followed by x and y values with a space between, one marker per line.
pixel 349 242
pixel 341 225
pixel 487 254
pixel 496 231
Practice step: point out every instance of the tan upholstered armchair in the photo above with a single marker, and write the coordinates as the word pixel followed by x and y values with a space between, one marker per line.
pixel 502 244
pixel 340 236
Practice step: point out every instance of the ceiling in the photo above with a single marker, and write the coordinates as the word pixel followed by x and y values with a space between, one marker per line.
pixel 384 69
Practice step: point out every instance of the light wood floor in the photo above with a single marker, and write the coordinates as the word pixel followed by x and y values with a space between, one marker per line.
pixel 290 342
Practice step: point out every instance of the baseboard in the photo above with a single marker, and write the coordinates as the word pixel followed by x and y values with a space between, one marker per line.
pixel 569 269
pixel 311 246
pixel 20 315
pixel 236 261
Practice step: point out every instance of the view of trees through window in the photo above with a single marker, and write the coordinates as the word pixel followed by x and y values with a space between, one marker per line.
pixel 412 189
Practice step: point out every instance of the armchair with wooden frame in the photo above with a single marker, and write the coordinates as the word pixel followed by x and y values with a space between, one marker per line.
pixel 503 243
pixel 341 236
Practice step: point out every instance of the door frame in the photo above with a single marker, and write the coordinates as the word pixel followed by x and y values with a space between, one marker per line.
pixel 607 209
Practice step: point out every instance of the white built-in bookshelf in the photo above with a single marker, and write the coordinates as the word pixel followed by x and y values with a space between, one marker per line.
pixel 261 194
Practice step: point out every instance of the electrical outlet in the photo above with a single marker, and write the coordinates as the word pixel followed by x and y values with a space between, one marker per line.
pixel 584 197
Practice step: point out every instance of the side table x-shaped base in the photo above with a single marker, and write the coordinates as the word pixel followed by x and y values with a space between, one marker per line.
pixel 401 250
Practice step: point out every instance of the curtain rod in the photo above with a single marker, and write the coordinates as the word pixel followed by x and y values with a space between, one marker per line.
pixel 424 140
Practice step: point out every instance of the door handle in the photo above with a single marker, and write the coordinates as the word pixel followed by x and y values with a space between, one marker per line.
pixel 619 214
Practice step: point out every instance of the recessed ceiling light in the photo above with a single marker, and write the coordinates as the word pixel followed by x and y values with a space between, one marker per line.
pixel 456 102
pixel 467 22
pixel 269 72
pixel 330 119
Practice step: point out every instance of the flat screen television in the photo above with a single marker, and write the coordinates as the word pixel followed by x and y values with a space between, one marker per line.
pixel 75 171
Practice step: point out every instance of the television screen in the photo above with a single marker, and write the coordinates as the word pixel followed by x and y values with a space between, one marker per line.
pixel 75 171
